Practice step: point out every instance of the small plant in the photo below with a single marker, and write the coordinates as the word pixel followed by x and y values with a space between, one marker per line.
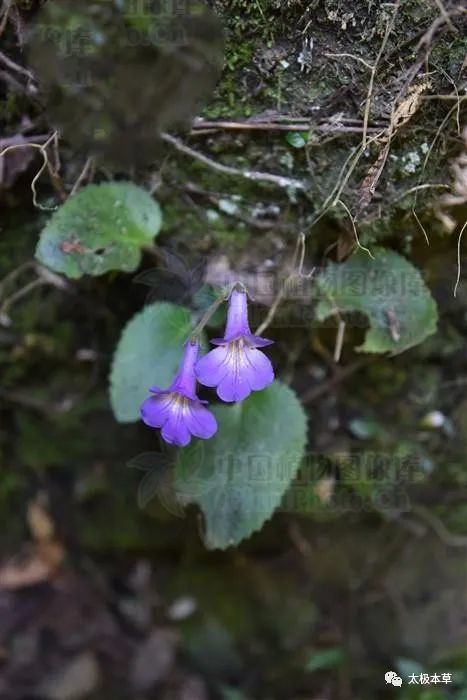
pixel 259 423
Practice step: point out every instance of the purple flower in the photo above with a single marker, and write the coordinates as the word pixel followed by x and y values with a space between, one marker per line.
pixel 236 367
pixel 177 410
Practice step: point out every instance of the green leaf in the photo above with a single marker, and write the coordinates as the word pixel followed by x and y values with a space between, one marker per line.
pixel 238 478
pixel 389 290
pixel 365 428
pixel 101 228
pixel 229 693
pixel 326 659
pixel 297 139
pixel 148 353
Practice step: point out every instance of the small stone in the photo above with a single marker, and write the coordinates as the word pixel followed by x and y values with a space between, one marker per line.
pixel 433 420
pixel 182 608
pixel 76 680
pixel 154 659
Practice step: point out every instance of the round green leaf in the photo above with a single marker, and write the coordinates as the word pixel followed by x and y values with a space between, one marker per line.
pixel 101 228
pixel 389 290
pixel 238 478
pixel 297 139
pixel 148 353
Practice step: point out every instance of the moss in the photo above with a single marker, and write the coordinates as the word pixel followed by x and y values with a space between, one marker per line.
pixel 202 231
pixel 449 54
pixel 263 74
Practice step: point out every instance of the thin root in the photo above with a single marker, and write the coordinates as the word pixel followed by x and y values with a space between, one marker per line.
pixel 43 149
pixel 362 247
pixel 459 258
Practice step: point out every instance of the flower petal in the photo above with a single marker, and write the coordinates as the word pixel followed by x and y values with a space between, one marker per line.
pixel 213 367
pixel 175 432
pixel 248 370
pixel 233 387
pixel 236 370
pixel 200 422
pixel 257 341
pixel 156 409
pixel 257 369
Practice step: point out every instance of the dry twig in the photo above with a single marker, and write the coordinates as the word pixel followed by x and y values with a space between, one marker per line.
pixel 374 68
pixel 330 126
pixel 15 67
pixel 279 180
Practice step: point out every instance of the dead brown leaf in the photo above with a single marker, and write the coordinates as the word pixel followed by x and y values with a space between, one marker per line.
pixel 39 521
pixel 37 564
pixel 401 114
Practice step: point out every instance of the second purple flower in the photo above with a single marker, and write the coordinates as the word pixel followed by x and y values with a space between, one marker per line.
pixel 177 410
pixel 237 367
